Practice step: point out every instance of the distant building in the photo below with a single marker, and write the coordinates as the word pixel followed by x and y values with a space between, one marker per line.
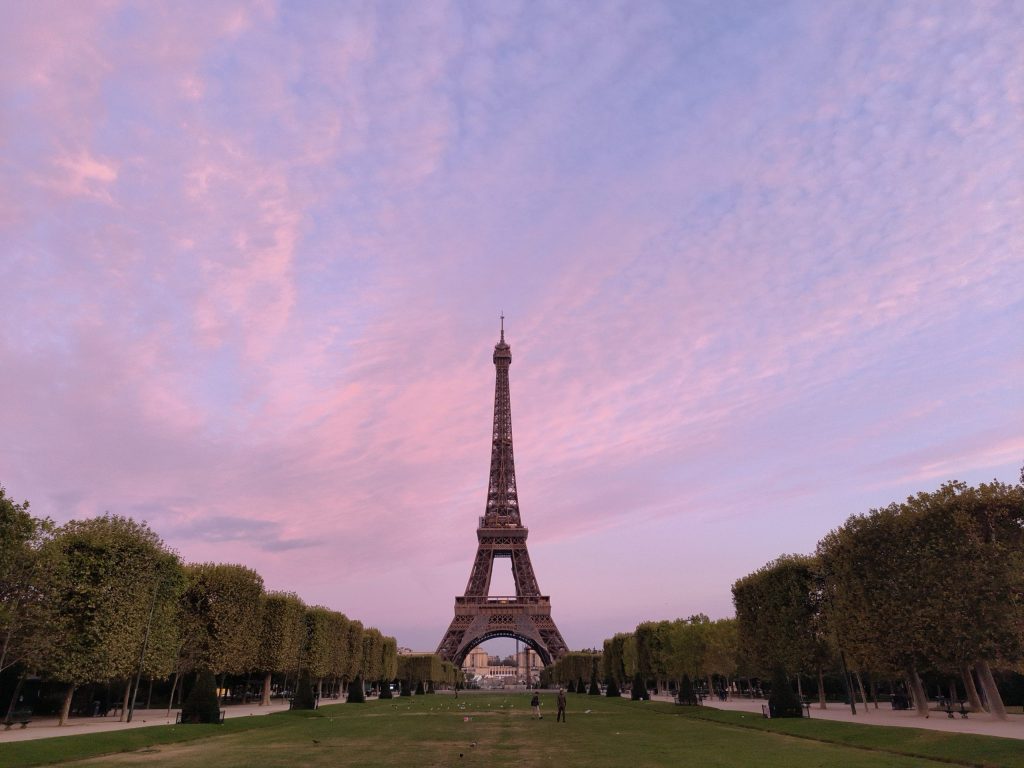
pixel 480 665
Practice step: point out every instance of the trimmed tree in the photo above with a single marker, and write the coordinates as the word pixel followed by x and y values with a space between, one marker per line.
pixel 686 695
pixel 304 696
pixel 639 692
pixel 281 637
pixel 612 688
pixel 201 705
pixel 356 694
pixel 783 701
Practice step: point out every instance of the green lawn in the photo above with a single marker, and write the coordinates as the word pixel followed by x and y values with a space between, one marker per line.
pixel 434 731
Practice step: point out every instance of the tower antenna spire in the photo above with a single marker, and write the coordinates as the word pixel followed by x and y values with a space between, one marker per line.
pixel 502 325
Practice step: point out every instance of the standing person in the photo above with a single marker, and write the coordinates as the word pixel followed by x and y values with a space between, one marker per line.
pixel 535 703
pixel 561 706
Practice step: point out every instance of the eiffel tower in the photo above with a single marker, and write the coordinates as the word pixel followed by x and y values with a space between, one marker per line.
pixel 527 614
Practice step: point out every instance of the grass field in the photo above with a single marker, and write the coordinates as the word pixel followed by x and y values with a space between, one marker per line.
pixel 497 730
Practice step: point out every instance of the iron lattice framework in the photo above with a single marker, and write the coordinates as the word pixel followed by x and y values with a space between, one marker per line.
pixel 527 614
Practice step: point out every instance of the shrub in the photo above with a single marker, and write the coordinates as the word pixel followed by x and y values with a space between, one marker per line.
pixel 385 690
pixel 612 688
pixel 783 701
pixel 356 695
pixel 406 688
pixel 686 694
pixel 581 687
pixel 304 697
pixel 570 687
pixel 419 688
pixel 639 692
pixel 595 687
pixel 201 705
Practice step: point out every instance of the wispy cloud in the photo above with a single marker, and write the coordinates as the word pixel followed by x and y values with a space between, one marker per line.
pixel 761 269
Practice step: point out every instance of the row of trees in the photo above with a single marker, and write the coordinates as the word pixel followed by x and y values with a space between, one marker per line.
pixel 933 584
pixel 104 599
pixel 670 652
pixel 576 671
pixel 418 672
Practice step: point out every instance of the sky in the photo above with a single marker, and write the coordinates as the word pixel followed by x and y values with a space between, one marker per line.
pixel 761 266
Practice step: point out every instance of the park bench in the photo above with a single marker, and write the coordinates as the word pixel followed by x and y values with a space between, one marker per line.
pixel 947 706
pixel 900 701
pixel 766 712
pixel 23 716
pixel 177 719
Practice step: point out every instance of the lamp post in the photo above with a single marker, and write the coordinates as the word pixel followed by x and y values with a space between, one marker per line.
pixel 846 681
pixel 142 654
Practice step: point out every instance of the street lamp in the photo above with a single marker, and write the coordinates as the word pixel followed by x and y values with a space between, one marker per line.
pixel 142 654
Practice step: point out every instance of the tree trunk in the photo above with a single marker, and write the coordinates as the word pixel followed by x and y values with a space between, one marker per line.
pixel 319 688
pixel 799 687
pixel 14 699
pixel 174 687
pixel 124 701
pixel 821 690
pixel 711 687
pixel 7 644
pixel 65 709
pixel 267 679
pixel 953 697
pixel 917 691
pixel 873 685
pixel 988 683
pixel 149 694
pixel 860 687
pixel 972 692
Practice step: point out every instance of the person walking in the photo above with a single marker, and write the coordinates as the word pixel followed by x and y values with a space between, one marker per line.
pixel 561 706
pixel 535 703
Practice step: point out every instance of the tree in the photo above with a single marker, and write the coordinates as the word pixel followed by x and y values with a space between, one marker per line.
pixel 970 544
pixel 23 612
pixel 316 652
pixel 684 647
pixel 777 613
pixel 221 617
pixel 651 650
pixel 282 635
pixel 373 645
pixel 720 657
pixel 353 652
pixel 933 582
pixel 104 590
pixel 389 666
pixel 612 663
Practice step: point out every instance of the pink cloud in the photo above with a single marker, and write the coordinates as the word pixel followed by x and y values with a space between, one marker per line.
pixel 759 273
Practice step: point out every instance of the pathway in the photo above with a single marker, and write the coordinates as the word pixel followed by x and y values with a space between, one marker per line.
pixel 978 723
pixel 45 727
